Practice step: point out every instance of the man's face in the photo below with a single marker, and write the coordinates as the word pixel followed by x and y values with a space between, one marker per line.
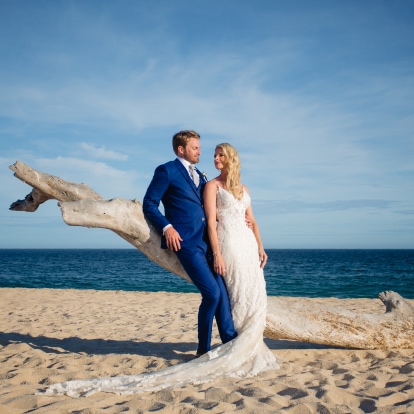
pixel 191 152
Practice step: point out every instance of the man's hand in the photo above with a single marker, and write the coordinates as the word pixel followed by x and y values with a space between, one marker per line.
pixel 249 222
pixel 173 239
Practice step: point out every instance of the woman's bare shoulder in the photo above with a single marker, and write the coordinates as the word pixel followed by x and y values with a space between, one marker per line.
pixel 211 183
pixel 214 183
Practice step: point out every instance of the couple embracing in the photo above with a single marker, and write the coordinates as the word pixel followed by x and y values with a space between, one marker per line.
pixel 211 228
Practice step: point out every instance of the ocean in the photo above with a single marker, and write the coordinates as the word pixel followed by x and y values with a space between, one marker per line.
pixel 307 273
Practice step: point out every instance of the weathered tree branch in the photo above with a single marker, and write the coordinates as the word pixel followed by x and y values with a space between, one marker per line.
pixel 286 319
pixel 308 321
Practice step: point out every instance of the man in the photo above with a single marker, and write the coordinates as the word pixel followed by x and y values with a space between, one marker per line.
pixel 180 187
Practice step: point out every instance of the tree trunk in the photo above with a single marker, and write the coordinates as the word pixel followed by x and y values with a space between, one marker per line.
pixel 287 318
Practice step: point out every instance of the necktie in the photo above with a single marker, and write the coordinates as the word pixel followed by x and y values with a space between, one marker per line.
pixel 194 176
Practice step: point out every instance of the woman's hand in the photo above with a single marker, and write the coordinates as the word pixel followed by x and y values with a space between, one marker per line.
pixel 262 257
pixel 219 265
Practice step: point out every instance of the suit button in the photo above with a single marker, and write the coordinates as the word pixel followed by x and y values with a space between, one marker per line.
pixel 202 219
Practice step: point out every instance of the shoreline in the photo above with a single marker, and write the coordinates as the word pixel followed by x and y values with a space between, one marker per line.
pixel 341 301
pixel 53 335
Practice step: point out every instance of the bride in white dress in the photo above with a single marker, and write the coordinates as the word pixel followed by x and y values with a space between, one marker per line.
pixel 239 256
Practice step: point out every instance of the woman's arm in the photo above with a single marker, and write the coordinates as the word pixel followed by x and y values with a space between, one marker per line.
pixel 256 232
pixel 210 208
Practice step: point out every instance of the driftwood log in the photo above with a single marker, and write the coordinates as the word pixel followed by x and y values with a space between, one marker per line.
pixel 286 319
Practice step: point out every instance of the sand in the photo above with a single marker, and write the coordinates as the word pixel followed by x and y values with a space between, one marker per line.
pixel 51 335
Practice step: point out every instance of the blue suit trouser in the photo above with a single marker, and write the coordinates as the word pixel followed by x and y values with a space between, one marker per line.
pixel 215 301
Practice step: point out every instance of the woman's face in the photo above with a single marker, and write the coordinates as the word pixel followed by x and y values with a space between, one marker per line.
pixel 219 159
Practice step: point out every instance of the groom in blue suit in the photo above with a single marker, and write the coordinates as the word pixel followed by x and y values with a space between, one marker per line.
pixel 180 188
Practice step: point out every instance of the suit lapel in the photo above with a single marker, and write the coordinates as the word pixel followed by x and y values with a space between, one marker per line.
pixel 187 177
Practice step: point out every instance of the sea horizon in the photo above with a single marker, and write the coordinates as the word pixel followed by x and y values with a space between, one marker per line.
pixel 313 272
pixel 266 248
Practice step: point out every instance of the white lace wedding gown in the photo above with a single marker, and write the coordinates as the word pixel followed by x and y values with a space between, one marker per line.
pixel 245 356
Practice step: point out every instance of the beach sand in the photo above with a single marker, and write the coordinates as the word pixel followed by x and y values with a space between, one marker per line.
pixel 51 335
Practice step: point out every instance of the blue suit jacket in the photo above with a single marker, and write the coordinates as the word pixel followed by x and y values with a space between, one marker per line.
pixel 183 204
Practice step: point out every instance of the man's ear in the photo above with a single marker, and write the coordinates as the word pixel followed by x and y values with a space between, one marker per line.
pixel 180 150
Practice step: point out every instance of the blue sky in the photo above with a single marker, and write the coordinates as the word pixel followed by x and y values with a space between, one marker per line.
pixel 316 95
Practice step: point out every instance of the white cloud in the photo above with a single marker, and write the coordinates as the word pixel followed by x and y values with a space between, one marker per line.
pixel 102 152
pixel 294 206
pixel 106 180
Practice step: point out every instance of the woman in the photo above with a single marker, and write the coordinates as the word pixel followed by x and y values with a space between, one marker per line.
pixel 239 256
pixel 238 251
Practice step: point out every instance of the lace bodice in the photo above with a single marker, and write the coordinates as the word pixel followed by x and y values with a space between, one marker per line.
pixel 229 208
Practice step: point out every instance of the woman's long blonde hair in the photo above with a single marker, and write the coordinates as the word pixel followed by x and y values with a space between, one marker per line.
pixel 232 166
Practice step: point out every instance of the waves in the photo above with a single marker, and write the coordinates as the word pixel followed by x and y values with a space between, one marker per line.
pixel 307 273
